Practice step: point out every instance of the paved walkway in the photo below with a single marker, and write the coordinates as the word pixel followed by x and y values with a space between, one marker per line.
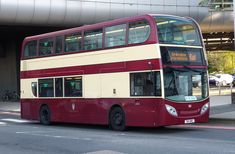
pixel 221 108
pixel 10 106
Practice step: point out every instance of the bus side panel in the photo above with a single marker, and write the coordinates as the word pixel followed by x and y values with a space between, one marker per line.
pixel 142 112
pixel 92 111
pixel 30 109
pixel 26 110
pixel 146 112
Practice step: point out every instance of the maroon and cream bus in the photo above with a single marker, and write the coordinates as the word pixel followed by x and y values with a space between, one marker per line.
pixel 148 70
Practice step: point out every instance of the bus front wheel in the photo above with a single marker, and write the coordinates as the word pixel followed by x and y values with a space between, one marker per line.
pixel 117 119
pixel 45 115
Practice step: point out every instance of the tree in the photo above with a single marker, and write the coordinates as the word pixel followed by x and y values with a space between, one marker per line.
pixel 221 61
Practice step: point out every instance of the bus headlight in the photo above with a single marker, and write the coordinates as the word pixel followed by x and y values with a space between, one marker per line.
pixel 205 107
pixel 171 110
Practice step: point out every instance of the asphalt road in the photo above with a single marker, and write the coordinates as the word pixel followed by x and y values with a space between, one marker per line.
pixel 27 137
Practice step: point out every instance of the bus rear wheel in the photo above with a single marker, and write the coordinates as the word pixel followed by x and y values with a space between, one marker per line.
pixel 117 119
pixel 45 115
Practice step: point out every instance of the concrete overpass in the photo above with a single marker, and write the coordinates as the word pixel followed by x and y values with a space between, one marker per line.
pixel 20 18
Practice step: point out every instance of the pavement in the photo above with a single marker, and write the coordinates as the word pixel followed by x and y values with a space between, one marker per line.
pixel 10 106
pixel 221 108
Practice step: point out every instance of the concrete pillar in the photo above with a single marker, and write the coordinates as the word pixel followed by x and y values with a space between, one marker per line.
pixel 8 68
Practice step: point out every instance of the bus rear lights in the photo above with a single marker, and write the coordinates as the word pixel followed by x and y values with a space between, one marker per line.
pixel 205 107
pixel 171 110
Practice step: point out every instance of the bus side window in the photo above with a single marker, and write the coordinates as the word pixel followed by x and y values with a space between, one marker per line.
pixel 58 87
pixel 115 35
pixel 145 84
pixel 138 32
pixel 46 87
pixel 30 49
pixel 34 87
pixel 46 46
pixel 93 39
pixel 73 86
pixel 58 44
pixel 73 42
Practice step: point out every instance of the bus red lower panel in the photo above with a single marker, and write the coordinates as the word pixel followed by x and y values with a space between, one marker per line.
pixel 187 113
pixel 146 112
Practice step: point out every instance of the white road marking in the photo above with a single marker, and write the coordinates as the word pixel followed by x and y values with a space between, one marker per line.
pixel 10 113
pixel 3 123
pixel 104 152
pixel 37 133
pixel 16 120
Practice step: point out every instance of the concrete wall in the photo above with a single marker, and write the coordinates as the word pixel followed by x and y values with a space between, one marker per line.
pixel 8 68
pixel 80 12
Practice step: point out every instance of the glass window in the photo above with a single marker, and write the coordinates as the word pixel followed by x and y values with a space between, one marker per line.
pixel 73 42
pixel 115 35
pixel 58 87
pixel 30 49
pixel 34 87
pixel 184 85
pixel 73 86
pixel 145 84
pixel 138 32
pixel 45 46
pixel 228 1
pixel 177 31
pixel 216 7
pixel 58 44
pixel 93 39
pixel 228 7
pixel 46 87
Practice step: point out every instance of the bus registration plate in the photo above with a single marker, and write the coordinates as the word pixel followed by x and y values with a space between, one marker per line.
pixel 189 121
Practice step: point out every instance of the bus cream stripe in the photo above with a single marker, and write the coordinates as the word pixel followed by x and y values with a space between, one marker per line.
pixel 26 89
pixel 94 86
pixel 91 58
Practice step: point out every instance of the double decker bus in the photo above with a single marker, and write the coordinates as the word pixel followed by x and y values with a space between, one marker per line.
pixel 148 71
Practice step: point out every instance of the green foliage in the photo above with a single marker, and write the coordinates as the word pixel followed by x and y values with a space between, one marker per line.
pixel 221 61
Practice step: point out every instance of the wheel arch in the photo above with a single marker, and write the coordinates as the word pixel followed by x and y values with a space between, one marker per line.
pixel 43 104
pixel 114 106
pixel 111 108
pixel 49 111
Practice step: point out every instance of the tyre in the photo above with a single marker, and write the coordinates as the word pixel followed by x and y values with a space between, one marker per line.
pixel 45 115
pixel 117 119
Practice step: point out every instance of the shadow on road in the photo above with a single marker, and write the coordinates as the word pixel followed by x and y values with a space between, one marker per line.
pixel 104 128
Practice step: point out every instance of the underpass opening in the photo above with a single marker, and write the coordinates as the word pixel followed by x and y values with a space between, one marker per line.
pixel 11 39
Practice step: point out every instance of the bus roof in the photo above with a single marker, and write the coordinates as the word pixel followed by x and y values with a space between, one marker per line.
pixel 99 25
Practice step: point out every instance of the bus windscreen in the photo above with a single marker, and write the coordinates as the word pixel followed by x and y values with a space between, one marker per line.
pixel 177 31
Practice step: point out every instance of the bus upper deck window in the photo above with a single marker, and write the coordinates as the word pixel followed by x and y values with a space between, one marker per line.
pixel 115 35
pixel 73 42
pixel 30 49
pixel 45 46
pixel 93 39
pixel 58 44
pixel 138 32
